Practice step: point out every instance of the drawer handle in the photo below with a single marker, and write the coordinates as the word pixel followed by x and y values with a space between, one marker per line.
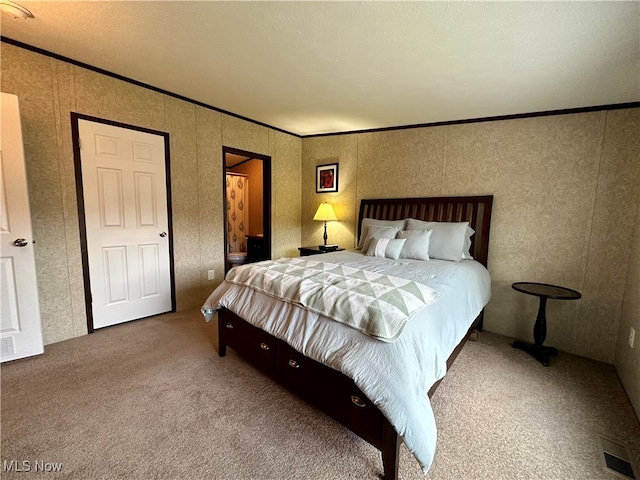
pixel 294 364
pixel 228 325
pixel 264 346
pixel 358 401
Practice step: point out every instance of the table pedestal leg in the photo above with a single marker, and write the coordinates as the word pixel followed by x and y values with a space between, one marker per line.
pixel 537 350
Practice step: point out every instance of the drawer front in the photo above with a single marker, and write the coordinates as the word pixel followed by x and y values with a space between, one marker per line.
pixel 330 391
pixel 254 344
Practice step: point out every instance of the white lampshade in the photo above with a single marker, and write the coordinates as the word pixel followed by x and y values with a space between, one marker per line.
pixel 325 213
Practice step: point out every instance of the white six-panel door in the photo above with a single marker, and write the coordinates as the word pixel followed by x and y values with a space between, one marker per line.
pixel 20 326
pixel 125 203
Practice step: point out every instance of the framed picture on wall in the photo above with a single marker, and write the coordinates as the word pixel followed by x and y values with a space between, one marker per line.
pixel 327 178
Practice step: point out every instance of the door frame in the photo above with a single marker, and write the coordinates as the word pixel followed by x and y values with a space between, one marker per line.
pixel 77 163
pixel 266 195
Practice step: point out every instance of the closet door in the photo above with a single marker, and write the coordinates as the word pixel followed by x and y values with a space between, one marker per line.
pixel 126 219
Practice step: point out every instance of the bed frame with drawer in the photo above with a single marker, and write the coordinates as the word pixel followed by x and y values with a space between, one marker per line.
pixel 329 390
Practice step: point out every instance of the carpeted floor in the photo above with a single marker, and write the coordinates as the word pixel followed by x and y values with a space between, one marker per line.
pixel 152 400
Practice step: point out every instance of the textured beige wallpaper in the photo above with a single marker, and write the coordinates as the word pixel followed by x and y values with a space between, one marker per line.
pixel 211 218
pixel 614 213
pixel 48 91
pixel 542 173
pixel 244 135
pixel 105 97
pixel 341 149
pixel 565 195
pixel 285 217
pixel 627 360
pixel 400 163
pixel 31 76
pixel 180 123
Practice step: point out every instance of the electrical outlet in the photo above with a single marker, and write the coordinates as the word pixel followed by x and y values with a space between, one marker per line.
pixel 211 275
pixel 632 336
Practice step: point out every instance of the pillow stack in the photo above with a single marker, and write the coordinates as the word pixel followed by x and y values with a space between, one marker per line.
pixel 416 239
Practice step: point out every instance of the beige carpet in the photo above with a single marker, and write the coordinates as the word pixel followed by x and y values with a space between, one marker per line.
pixel 152 400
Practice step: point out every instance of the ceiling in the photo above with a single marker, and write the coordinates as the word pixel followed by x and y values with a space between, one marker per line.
pixel 326 67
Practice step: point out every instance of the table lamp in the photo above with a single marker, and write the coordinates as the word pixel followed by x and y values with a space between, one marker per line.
pixel 325 214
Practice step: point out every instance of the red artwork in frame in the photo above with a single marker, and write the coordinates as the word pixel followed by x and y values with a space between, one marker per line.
pixel 327 178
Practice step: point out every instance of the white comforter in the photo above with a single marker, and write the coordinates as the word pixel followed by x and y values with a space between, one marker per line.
pixel 395 376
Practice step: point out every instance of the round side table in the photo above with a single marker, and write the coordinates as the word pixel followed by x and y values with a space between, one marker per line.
pixel 543 291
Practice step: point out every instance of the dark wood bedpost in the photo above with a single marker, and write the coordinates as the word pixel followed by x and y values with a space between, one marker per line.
pixel 222 347
pixel 390 451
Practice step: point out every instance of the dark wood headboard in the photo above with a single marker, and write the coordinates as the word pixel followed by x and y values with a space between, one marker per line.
pixel 475 210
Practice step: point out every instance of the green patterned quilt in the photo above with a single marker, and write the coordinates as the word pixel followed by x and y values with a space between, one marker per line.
pixel 374 303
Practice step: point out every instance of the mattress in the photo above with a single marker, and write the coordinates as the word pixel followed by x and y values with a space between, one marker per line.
pixel 395 376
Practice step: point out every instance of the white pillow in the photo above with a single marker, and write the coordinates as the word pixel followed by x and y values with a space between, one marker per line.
pixel 466 255
pixel 417 246
pixel 378 231
pixel 386 247
pixel 449 240
pixel 367 222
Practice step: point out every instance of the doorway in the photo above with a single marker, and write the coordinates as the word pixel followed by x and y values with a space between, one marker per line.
pixel 125 220
pixel 247 207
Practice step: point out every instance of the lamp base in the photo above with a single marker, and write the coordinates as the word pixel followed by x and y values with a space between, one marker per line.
pixel 328 248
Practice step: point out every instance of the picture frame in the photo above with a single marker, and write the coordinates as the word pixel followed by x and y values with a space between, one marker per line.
pixel 327 178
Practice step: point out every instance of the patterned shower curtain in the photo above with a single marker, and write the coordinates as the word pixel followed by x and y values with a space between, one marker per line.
pixel 237 212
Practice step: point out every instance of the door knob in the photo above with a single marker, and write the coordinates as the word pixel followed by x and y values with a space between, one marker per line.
pixel 20 242
pixel 163 234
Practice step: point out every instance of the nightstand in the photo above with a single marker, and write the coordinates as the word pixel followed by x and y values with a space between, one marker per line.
pixel 306 251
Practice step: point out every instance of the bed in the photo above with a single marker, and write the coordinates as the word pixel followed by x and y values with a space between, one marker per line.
pixel 375 382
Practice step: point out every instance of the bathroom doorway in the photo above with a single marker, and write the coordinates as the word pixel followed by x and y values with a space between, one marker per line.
pixel 247 207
